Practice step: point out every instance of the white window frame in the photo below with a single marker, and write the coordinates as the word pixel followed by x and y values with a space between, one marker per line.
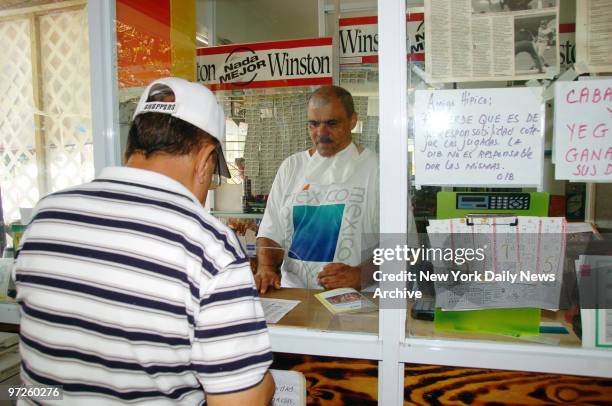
pixel 104 101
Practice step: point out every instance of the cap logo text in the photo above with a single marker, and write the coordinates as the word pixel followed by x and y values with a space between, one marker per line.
pixel 157 107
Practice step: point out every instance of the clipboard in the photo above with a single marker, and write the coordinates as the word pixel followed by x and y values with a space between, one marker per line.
pixel 492 219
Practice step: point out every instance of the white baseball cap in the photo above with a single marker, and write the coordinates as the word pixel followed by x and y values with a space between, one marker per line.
pixel 193 103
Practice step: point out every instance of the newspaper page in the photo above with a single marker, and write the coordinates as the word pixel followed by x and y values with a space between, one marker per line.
pixel 478 40
pixel 594 35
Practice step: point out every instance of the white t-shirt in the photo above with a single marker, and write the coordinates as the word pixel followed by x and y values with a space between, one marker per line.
pixel 320 224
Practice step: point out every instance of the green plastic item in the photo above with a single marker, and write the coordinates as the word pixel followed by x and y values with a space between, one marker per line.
pixel 447 203
pixel 17 231
pixel 515 322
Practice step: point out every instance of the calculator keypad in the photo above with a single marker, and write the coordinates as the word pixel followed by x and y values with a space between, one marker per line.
pixel 509 202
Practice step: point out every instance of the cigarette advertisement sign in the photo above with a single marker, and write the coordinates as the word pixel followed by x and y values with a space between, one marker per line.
pixel 303 62
pixel 358 38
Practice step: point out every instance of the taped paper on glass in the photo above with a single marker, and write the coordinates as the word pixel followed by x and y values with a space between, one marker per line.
pixel 471 40
pixel 594 36
pixel 583 121
pixel 479 137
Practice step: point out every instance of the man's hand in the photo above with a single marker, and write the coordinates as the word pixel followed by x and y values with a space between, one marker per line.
pixel 267 276
pixel 338 275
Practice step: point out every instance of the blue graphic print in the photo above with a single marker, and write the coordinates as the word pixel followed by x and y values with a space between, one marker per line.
pixel 315 232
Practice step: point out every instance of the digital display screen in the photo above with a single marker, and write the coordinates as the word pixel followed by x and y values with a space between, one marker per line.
pixel 478 199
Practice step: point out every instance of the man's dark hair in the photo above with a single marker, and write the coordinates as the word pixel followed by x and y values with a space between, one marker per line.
pixel 153 133
pixel 327 93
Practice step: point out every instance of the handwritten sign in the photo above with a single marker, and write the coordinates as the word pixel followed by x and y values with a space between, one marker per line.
pixel 583 121
pixel 290 388
pixel 479 137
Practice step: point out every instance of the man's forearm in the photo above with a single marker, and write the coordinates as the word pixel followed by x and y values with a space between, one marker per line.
pixel 269 253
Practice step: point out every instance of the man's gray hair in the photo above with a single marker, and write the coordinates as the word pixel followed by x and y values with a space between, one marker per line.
pixel 326 94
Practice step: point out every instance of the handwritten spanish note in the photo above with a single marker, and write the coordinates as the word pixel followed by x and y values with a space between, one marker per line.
pixel 479 137
pixel 583 119
pixel 290 388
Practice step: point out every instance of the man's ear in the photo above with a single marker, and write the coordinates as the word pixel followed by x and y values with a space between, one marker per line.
pixel 353 120
pixel 204 163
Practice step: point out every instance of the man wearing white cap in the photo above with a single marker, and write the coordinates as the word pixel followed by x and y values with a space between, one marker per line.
pixel 130 291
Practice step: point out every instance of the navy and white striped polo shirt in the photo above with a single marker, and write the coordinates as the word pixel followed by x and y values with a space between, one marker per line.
pixel 131 292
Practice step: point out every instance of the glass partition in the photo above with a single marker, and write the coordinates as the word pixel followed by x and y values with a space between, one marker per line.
pixel 271 119
pixel 263 73
pixel 485 177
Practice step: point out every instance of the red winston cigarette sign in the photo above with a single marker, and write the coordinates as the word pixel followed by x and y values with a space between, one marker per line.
pixel 303 62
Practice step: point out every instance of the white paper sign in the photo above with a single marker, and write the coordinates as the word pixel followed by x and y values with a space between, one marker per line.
pixel 583 121
pixel 479 137
pixel 290 388
pixel 276 309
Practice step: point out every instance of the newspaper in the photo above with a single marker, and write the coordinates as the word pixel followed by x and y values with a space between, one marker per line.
pixel 476 40
pixel 594 35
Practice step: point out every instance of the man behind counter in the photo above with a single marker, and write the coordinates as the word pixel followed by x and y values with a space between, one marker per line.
pixel 322 210
pixel 130 291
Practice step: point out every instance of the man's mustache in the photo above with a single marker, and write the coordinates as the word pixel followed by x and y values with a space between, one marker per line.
pixel 324 139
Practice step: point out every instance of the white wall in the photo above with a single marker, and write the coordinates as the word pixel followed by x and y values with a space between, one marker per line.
pixel 243 21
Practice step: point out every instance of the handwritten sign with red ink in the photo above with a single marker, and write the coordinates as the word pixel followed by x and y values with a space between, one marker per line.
pixel 583 131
